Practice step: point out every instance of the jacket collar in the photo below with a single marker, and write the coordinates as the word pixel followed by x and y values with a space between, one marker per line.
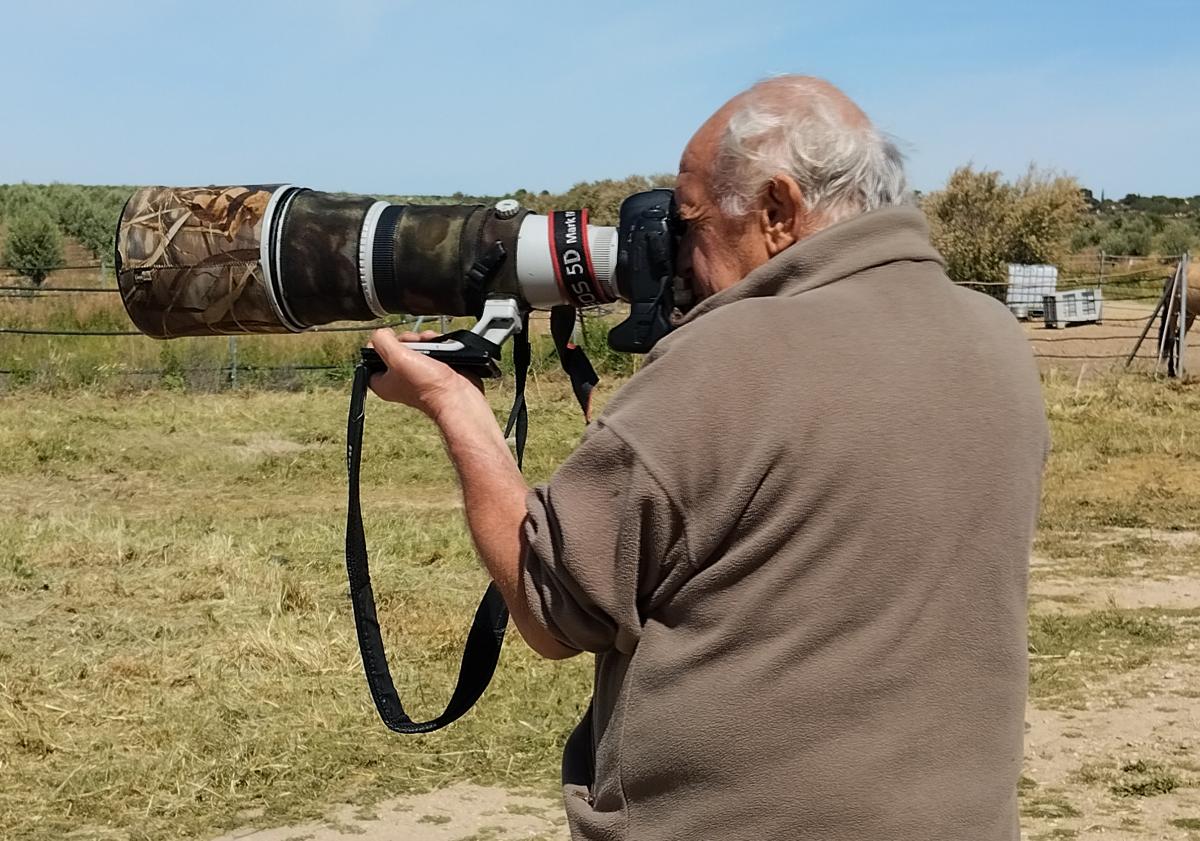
pixel 887 235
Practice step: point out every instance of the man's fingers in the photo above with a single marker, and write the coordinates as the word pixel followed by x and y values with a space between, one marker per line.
pixel 388 344
pixel 423 336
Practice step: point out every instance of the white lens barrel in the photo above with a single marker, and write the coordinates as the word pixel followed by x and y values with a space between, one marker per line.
pixel 535 262
pixel 366 265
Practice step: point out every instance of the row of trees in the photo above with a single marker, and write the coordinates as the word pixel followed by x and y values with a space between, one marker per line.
pixel 1158 205
pixel 1137 234
pixel 37 217
pixel 979 221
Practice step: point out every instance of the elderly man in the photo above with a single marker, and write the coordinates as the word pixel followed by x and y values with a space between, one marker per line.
pixel 796 540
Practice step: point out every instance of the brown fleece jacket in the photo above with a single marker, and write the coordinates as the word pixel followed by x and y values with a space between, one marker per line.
pixel 797 542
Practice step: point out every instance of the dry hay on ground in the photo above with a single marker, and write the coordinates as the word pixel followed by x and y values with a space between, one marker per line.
pixel 177 658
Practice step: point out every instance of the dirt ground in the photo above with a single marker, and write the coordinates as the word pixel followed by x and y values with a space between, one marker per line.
pixel 1074 754
pixel 1147 716
pixel 1097 348
pixel 459 813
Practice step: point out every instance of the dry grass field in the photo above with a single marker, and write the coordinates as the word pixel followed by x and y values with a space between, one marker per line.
pixel 176 650
pixel 177 656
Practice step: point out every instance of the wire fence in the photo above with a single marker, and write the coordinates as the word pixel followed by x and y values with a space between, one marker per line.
pixel 63 330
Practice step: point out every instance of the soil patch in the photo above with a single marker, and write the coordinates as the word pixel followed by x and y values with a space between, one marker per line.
pixel 458 813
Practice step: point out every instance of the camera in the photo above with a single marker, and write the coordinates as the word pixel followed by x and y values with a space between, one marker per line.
pixel 279 258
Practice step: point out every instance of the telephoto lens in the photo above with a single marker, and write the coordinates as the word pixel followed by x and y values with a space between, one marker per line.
pixel 201 261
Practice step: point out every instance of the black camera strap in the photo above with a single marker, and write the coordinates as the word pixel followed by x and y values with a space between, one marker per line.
pixel 573 358
pixel 518 416
pixel 482 649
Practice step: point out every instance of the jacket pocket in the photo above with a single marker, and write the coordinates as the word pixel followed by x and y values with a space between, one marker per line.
pixel 588 823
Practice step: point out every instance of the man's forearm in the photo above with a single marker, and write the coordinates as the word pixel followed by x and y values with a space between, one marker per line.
pixel 494 499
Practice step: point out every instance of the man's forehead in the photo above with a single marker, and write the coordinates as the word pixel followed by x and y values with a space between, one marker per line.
pixel 696 158
pixel 699 154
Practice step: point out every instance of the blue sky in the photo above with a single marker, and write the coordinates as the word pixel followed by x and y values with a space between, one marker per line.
pixel 484 97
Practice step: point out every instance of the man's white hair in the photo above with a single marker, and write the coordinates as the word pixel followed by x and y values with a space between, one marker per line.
pixel 794 125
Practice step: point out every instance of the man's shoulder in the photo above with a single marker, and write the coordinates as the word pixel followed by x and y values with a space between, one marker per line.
pixel 697 353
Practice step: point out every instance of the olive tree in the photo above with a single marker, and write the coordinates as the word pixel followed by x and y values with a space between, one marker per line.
pixel 1176 238
pixel 33 244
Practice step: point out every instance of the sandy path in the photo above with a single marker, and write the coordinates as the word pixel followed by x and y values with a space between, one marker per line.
pixel 459 813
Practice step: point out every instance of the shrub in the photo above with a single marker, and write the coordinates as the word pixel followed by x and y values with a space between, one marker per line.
pixel 1132 237
pixel 1176 238
pixel 602 198
pixel 33 246
pixel 16 199
pixel 87 214
pixel 980 223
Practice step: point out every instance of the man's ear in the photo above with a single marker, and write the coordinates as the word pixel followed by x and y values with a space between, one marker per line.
pixel 783 215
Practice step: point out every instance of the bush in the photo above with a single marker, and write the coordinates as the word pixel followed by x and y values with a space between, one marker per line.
pixel 1133 237
pixel 16 199
pixel 980 223
pixel 33 246
pixel 1086 235
pixel 602 198
pixel 1176 238
pixel 87 214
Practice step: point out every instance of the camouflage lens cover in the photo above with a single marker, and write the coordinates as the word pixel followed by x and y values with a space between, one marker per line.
pixel 205 261
pixel 189 261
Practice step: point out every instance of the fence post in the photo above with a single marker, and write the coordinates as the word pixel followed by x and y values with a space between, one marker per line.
pixel 233 362
pixel 1164 300
pixel 1183 295
pixel 1166 342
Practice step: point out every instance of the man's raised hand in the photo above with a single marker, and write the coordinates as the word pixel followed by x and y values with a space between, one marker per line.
pixel 412 378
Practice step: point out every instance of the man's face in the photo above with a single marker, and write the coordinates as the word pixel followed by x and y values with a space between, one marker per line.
pixel 717 250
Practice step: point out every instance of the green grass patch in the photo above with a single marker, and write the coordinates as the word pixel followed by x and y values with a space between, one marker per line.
pixel 1067 649
pixel 1113 554
pixel 1146 779
pixel 1055 833
pixel 1048 806
pixel 1134 778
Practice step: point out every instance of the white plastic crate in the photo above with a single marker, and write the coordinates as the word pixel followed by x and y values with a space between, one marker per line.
pixel 1074 306
pixel 1028 286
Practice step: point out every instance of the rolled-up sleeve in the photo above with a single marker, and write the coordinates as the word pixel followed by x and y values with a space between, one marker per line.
pixel 605 544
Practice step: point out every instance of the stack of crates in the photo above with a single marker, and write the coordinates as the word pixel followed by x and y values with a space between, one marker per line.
pixel 1028 286
pixel 1074 306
